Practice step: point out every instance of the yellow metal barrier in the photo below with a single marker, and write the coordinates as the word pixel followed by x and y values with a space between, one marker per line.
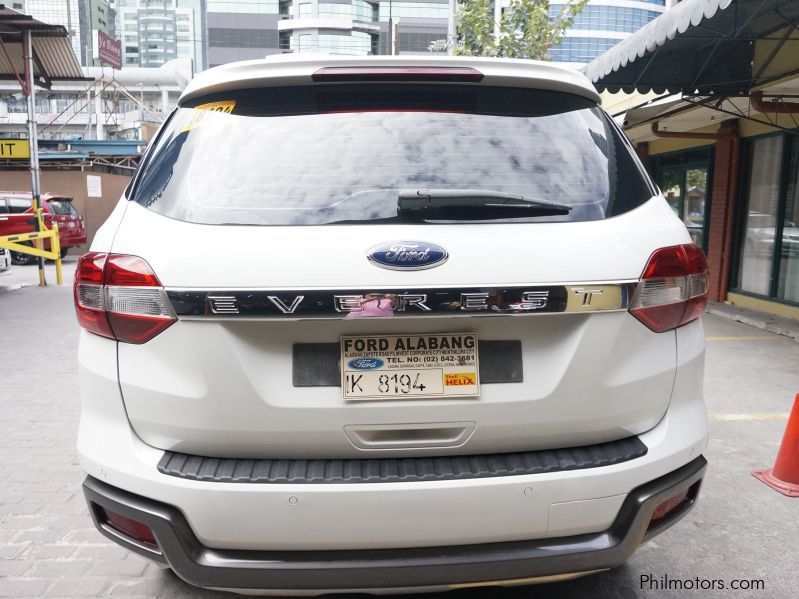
pixel 15 243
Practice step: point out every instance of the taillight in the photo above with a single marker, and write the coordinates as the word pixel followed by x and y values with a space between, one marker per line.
pixel 673 288
pixel 120 297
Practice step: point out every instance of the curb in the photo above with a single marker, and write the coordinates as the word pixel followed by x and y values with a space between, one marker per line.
pixel 771 323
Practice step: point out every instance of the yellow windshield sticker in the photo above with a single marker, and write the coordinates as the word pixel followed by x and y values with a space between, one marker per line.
pixel 202 111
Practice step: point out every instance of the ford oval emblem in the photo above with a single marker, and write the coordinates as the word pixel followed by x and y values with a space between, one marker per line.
pixel 365 363
pixel 407 255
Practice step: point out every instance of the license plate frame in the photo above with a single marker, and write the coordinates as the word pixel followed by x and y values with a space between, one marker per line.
pixel 409 367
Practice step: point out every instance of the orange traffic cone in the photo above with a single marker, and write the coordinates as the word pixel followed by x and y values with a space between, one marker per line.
pixel 784 477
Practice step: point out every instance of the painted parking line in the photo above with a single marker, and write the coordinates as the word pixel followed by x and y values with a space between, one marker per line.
pixel 756 416
pixel 745 338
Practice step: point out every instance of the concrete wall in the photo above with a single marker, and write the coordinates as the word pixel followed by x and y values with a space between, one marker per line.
pixel 73 184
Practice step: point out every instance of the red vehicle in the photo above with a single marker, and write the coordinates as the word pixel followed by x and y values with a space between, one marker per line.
pixel 16 216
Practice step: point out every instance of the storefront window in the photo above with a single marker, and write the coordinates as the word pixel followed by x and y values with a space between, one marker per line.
pixel 788 286
pixel 757 255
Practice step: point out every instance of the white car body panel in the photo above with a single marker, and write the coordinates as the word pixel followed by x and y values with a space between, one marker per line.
pixel 612 372
pixel 296 69
pixel 361 516
pixel 188 255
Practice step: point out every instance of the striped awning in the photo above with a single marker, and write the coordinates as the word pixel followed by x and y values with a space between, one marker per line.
pixel 704 47
pixel 53 56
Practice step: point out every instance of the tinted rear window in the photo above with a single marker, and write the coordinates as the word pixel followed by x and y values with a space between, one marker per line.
pixel 62 207
pixel 342 153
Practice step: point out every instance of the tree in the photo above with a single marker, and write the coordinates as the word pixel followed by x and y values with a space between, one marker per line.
pixel 525 29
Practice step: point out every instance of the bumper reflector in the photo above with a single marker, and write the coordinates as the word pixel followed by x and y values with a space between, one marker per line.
pixel 673 505
pixel 126 526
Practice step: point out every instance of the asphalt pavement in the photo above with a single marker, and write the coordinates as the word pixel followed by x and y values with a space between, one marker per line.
pixel 740 530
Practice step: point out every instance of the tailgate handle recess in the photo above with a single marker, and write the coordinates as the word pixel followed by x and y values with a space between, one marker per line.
pixel 409 436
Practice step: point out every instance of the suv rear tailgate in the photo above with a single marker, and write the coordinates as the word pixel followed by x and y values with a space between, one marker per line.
pixel 224 387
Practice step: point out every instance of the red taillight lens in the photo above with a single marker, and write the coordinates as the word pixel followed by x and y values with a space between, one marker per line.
pixel 130 271
pixel 398 73
pixel 88 292
pixel 673 288
pixel 134 529
pixel 120 297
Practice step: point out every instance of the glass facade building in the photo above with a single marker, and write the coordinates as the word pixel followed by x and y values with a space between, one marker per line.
pixel 601 25
pixel 331 27
pixel 154 32
pixel 215 32
pixel 362 26
pixel 241 30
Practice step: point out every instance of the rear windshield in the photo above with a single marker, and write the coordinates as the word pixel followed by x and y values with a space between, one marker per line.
pixel 343 153
pixel 62 207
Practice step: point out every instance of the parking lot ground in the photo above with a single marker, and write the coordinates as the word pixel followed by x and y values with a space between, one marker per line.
pixel 740 530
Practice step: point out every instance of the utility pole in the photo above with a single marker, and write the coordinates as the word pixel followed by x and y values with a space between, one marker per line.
pixel 30 92
pixel 391 27
pixel 451 32
pixel 497 20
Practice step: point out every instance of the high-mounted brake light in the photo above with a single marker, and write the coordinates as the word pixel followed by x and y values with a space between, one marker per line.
pixel 673 288
pixel 120 297
pixel 398 73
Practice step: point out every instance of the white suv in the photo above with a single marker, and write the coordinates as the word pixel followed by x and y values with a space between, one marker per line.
pixel 386 323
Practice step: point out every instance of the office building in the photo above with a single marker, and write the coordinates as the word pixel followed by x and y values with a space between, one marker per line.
pixel 241 30
pixel 153 32
pixel 601 25
pixel 362 27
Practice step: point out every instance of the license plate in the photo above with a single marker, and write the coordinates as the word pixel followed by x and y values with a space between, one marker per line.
pixel 71 225
pixel 391 367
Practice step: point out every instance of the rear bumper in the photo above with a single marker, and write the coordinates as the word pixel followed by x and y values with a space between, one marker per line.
pixel 394 569
pixel 71 238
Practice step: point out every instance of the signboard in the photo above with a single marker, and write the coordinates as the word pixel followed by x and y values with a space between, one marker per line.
pixel 14 148
pixel 94 186
pixel 109 50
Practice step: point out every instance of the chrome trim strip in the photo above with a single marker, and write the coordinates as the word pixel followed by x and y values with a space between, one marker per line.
pixel 277 303
pixel 311 288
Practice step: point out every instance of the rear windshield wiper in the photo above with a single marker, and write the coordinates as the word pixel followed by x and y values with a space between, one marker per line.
pixel 473 204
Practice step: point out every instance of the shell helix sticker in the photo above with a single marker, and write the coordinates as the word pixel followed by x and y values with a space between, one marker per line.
pixel 202 111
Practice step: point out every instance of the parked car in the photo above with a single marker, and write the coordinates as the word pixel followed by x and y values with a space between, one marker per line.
pixel 761 233
pixel 16 216
pixel 385 324
pixel 5 260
